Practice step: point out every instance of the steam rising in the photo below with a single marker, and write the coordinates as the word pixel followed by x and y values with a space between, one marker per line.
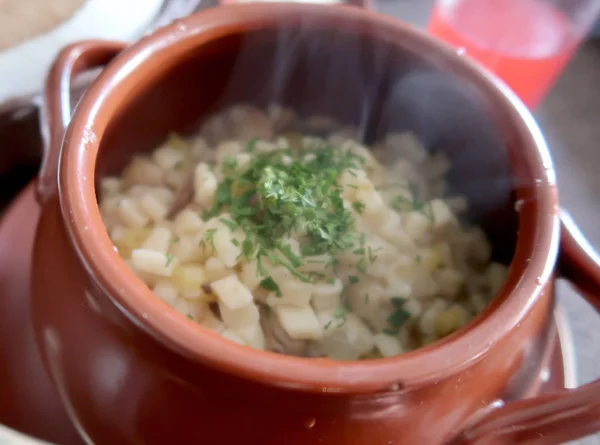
pixel 376 86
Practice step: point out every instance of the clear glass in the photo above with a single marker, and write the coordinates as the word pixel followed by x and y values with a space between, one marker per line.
pixel 526 43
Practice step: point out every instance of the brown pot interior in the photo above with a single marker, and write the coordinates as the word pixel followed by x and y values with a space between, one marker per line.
pixel 376 85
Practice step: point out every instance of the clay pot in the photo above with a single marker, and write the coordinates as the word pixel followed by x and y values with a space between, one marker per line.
pixel 130 370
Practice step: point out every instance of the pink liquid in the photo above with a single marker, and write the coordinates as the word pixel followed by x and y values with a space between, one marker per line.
pixel 525 42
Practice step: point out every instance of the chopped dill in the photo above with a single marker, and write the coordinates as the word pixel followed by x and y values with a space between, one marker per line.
pixel 169 259
pixel 359 207
pixel 353 279
pixel 270 285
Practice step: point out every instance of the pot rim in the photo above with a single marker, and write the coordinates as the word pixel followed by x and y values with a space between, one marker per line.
pixel 529 272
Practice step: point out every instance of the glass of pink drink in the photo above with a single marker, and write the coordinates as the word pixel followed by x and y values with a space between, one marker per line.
pixel 526 43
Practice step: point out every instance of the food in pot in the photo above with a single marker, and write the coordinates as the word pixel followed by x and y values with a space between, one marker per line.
pixel 290 235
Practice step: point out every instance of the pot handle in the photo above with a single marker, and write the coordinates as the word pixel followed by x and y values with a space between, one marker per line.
pixel 555 418
pixel 56 104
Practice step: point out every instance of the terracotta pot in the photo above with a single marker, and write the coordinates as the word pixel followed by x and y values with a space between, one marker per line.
pixel 131 370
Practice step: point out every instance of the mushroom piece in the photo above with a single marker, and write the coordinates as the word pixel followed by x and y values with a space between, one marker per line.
pixel 183 196
pixel 276 339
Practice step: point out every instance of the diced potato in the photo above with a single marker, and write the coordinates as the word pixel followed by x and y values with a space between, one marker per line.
pixel 450 320
pixel 211 322
pixel 326 296
pixel 143 171
pixel 239 318
pixel 496 274
pixel 250 276
pixel 205 185
pixel 154 262
pixel 253 336
pixel 168 157
pixel 393 232
pixel 299 323
pixel 407 145
pixel 110 186
pixel 442 216
pixel 131 214
pixel 187 249
pixel 233 336
pixel 413 307
pixel 225 249
pixel 449 281
pixel 427 323
pixel 417 225
pixel 293 291
pixel 154 208
pixel 166 291
pixel 351 340
pixel 387 345
pixel 188 222
pixel 215 268
pixel 231 292
pixel 158 240
pixel 194 310
pixel 189 279
pixel 126 239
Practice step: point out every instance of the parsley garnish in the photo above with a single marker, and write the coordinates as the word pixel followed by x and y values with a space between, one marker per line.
pixel 228 223
pixel 358 206
pixel 353 279
pixel 169 259
pixel 402 204
pixel 400 315
pixel 283 193
pixel 270 285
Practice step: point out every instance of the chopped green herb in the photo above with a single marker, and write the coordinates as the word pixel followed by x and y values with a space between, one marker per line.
pixel 176 239
pixel 285 193
pixel 402 204
pixel 418 258
pixel 366 298
pixel 392 332
pixel 169 259
pixel 328 324
pixel 235 242
pixel 229 163
pixel 359 251
pixel 340 312
pixel 291 257
pixel 359 207
pixel 251 145
pixel 353 279
pixel 362 265
pixel 248 249
pixel 372 256
pixel 332 264
pixel 178 165
pixel 228 223
pixel 209 237
pixel 190 316
pixel 347 305
pixel 363 238
pixel 398 318
pixel 352 186
pixel 331 281
pixel 398 302
pixel 270 285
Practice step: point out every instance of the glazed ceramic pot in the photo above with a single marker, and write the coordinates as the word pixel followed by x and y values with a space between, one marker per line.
pixel 130 370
